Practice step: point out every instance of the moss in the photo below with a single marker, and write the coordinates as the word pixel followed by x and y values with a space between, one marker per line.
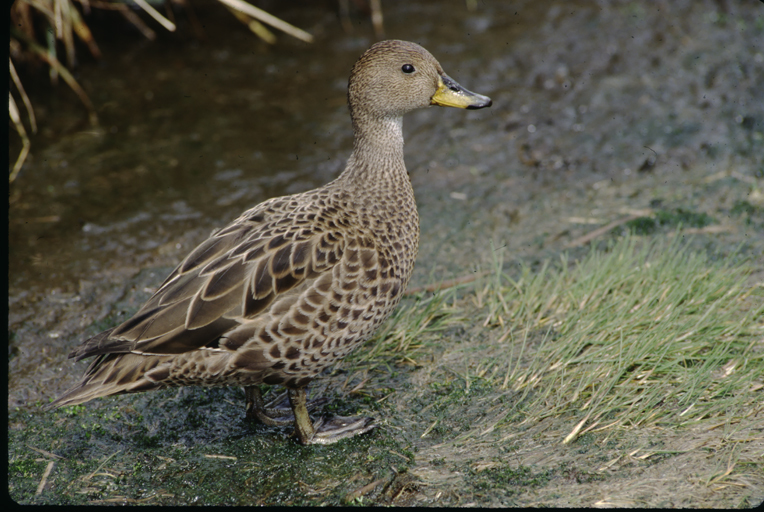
pixel 145 441
pixel 683 217
pixel 192 446
pixel 670 219
pixel 743 207
pixel 26 468
pixel 754 215
pixel 642 225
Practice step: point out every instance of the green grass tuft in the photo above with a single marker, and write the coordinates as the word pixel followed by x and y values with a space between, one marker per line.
pixel 634 336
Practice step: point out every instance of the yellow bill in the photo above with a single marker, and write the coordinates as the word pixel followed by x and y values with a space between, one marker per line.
pixel 451 94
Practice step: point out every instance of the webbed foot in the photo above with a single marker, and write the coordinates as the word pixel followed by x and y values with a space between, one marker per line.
pixel 327 429
pixel 331 429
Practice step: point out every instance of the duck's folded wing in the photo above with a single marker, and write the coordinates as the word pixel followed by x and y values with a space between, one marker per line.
pixel 227 280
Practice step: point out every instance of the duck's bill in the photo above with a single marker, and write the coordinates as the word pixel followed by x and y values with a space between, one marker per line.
pixel 451 94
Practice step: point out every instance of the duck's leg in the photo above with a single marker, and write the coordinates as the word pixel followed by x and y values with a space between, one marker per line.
pixel 325 430
pixel 256 409
pixel 277 412
pixel 303 426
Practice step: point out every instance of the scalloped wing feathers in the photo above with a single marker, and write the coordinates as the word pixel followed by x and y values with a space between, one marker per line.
pixel 277 296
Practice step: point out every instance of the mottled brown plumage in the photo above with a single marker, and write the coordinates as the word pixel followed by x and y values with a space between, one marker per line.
pixel 295 283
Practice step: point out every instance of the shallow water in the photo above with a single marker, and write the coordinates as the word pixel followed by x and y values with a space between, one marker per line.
pixel 600 109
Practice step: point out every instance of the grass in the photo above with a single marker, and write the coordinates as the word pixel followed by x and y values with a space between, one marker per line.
pixel 635 336
pixel 641 359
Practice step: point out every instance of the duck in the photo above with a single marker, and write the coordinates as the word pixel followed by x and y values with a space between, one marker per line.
pixel 294 284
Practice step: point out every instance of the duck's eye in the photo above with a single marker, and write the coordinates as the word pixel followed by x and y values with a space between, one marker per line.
pixel 407 68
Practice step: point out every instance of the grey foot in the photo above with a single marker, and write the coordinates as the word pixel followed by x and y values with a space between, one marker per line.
pixel 326 430
pixel 334 428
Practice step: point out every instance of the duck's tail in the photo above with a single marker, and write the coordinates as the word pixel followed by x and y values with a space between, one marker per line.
pixel 112 374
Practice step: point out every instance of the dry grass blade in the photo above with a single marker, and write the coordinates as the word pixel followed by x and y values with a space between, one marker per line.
pixel 13 111
pixel 448 283
pixel 133 18
pixel 24 97
pixel 60 69
pixel 583 240
pixel 64 20
pixel 268 19
pixel 366 489
pixel 83 32
pixel 45 452
pixel 64 17
pixel 169 25
pixel 376 18
pixel 216 456
pixel 347 25
pixel 44 478
pixel 254 26
pixel 97 471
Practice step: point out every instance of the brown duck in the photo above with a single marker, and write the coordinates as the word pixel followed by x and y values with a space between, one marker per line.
pixel 297 282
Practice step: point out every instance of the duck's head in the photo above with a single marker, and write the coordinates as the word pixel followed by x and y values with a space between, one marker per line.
pixel 394 77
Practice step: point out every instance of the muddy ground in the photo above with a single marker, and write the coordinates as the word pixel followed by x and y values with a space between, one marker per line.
pixel 602 111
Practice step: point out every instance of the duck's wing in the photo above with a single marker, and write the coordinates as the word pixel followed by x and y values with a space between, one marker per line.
pixel 228 280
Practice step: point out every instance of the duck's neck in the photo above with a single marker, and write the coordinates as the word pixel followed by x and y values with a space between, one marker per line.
pixel 377 158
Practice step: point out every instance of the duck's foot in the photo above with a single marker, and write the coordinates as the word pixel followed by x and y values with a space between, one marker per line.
pixel 326 430
pixel 277 412
pixel 330 429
